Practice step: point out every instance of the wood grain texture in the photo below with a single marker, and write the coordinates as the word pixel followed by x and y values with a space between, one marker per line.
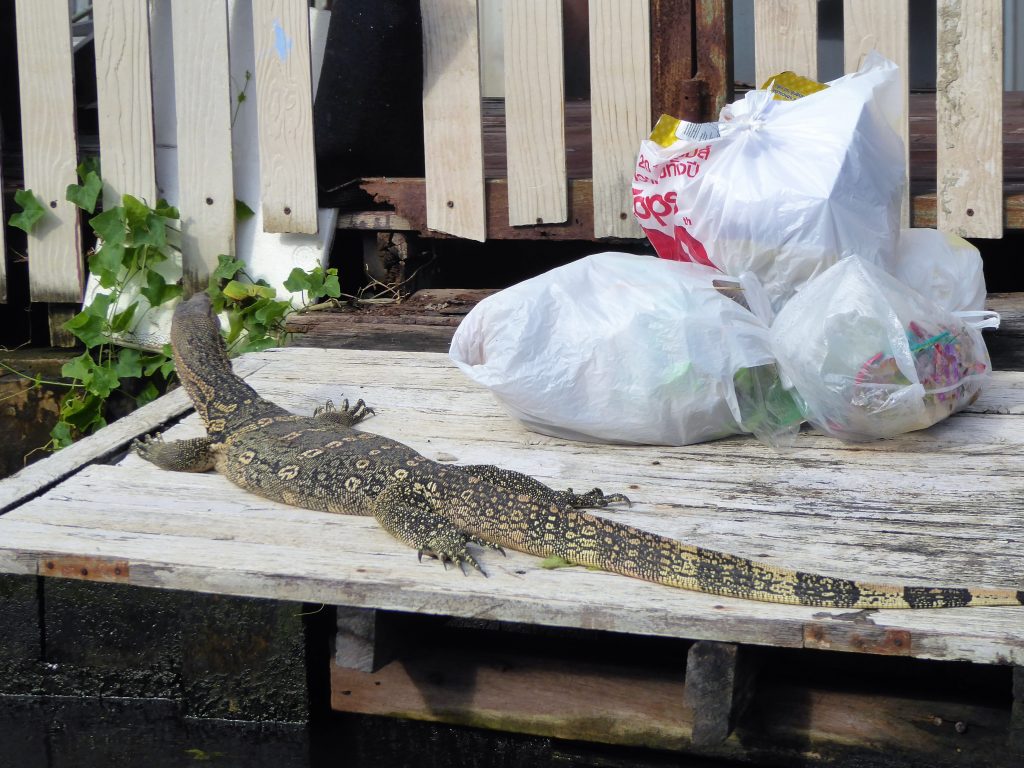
pixel 125 100
pixel 452 135
pixel 936 506
pixel 37 477
pixel 202 98
pixel 284 109
pixel 620 97
pixel 969 95
pixel 785 38
pixel 883 25
pixel 49 147
pixel 535 112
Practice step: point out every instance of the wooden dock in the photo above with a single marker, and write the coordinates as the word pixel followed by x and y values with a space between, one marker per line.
pixel 938 506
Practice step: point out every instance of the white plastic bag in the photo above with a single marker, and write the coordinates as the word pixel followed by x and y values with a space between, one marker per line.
pixel 870 357
pixel 626 349
pixel 786 188
pixel 942 267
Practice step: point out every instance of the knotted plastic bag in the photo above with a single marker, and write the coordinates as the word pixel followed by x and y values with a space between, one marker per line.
pixel 782 189
pixel 870 357
pixel 622 348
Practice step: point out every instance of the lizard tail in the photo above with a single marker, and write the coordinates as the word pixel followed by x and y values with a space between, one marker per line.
pixel 201 361
pixel 646 555
pixel 584 539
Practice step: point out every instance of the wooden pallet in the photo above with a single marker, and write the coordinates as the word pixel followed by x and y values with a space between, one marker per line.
pixel 942 505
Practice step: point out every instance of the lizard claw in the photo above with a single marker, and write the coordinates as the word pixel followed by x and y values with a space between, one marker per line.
pixel 594 499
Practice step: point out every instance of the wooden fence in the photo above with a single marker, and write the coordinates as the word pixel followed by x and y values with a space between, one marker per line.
pixel 970 195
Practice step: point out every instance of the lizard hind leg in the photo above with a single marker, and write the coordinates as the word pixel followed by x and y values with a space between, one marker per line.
pixel 346 415
pixel 429 533
pixel 195 455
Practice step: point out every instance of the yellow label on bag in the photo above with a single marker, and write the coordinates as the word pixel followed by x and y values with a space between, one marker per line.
pixel 671 129
pixel 789 86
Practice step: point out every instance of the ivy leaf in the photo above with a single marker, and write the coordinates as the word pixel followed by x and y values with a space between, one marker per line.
pixel 242 211
pixel 165 210
pixel 124 318
pixel 31 211
pixel 90 325
pixel 298 280
pixel 91 164
pixel 86 194
pixel 227 268
pixel 331 286
pixel 110 226
pixel 157 290
pixel 105 263
pixel 236 290
pixel 129 363
pixel 271 312
pixel 83 411
pixel 147 394
pixel 61 435
pixel 135 213
pixel 257 344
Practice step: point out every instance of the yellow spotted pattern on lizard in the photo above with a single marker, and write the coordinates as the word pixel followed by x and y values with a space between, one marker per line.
pixel 321 462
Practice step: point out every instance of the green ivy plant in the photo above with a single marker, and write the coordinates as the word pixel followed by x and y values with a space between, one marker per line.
pixel 133 239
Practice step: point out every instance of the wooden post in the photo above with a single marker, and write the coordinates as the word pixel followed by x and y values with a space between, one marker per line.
pixel 785 38
pixel 1017 712
pixel 367 638
pixel 673 92
pixel 719 685
pixel 713 35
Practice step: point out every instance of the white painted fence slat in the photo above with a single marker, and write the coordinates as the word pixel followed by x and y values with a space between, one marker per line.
pixel 284 108
pixel 785 38
pixel 125 100
pixel 535 112
pixel 882 25
pixel 46 80
pixel 969 101
pixel 202 100
pixel 452 131
pixel 620 97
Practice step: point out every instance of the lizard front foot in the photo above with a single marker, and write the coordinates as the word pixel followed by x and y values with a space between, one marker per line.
pixel 346 416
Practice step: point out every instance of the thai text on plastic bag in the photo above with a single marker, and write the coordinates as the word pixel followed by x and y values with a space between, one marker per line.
pixel 870 357
pixel 783 189
pixel 623 348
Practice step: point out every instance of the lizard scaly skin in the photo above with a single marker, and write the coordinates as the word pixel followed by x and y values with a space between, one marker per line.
pixel 321 462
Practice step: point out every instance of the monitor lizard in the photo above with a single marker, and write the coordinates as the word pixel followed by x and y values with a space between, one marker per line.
pixel 323 463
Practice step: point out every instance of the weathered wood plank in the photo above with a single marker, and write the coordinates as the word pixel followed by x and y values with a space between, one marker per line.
pixel 366 639
pixel 49 147
pixel 620 97
pixel 713 22
pixel 202 98
pixel 37 477
pixel 883 25
pixel 785 38
pixel 616 703
pixel 284 107
pixel 452 135
pixel 892 510
pixel 672 61
pixel 125 100
pixel 535 112
pixel 969 94
pixel 718 687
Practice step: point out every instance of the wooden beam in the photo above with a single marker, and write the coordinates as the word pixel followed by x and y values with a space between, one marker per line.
pixel 452 128
pixel 785 38
pixel 49 147
pixel 284 111
pixel 969 97
pixel 673 91
pixel 620 100
pixel 719 686
pixel 1016 739
pixel 713 31
pixel 883 25
pixel 367 639
pixel 535 112
pixel 124 92
pixel 202 97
